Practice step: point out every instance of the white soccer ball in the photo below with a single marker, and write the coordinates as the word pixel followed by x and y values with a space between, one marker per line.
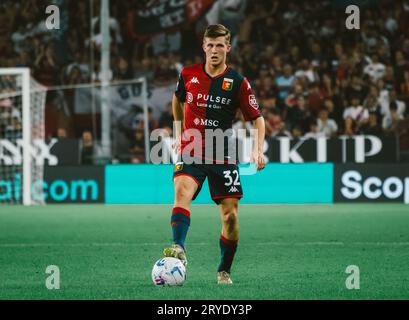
pixel 168 271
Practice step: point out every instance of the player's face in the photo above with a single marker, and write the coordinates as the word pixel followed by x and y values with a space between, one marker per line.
pixel 216 50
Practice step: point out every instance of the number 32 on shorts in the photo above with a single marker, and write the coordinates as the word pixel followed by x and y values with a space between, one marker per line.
pixel 230 180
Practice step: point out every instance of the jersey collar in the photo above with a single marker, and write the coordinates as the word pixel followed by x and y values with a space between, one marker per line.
pixel 218 76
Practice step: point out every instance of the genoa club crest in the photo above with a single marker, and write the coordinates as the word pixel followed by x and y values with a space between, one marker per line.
pixel 227 84
pixel 178 166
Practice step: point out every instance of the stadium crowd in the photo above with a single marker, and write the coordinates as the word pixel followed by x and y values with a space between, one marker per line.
pixel 312 76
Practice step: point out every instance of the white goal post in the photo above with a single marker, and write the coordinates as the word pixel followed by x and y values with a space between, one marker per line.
pixel 16 86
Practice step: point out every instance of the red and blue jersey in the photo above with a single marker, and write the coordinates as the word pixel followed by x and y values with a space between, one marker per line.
pixel 211 103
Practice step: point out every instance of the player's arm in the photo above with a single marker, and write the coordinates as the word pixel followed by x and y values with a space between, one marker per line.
pixel 178 117
pixel 258 155
pixel 251 112
pixel 178 99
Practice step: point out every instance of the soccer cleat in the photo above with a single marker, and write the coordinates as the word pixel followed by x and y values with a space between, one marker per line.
pixel 176 251
pixel 223 277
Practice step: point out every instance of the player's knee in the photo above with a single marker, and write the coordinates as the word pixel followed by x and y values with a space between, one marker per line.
pixel 229 207
pixel 230 216
pixel 184 193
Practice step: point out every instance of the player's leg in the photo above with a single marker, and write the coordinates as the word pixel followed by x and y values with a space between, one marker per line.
pixel 185 189
pixel 188 180
pixel 226 190
pixel 228 239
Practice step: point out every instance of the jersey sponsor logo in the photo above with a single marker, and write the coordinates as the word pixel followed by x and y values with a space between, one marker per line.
pixel 214 99
pixel 189 97
pixel 253 101
pixel 178 166
pixel 227 84
pixel 194 80
pixel 233 189
pixel 206 122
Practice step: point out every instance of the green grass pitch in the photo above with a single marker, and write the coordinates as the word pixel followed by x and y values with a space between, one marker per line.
pixel 285 252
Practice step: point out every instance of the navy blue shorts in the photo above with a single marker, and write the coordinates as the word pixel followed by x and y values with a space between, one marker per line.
pixel 223 179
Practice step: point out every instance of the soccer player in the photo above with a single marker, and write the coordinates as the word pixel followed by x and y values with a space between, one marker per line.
pixel 207 97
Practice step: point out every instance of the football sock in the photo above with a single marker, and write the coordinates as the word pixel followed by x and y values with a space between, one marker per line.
pixel 228 249
pixel 180 222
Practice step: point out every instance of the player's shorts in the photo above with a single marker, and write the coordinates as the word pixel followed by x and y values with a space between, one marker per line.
pixel 223 179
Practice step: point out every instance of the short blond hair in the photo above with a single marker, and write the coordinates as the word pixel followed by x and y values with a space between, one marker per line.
pixel 217 30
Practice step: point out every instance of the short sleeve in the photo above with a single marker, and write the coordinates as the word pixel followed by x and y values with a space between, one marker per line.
pixel 180 91
pixel 248 102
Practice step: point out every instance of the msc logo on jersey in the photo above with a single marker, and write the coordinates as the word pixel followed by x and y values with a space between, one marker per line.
pixel 253 101
pixel 178 166
pixel 227 84
pixel 206 122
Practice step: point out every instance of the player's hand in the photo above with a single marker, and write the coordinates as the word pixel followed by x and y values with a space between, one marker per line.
pixel 257 157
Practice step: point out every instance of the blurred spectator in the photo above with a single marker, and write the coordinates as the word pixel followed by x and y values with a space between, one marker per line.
pixel 372 127
pixel 285 82
pixel 375 69
pixel 45 65
pixel 327 87
pixel 391 119
pixel 326 125
pixel 122 71
pixel 385 99
pixel 61 133
pixel 315 98
pixel 313 131
pixel 350 127
pixel 297 132
pixel 297 114
pixel 81 67
pixel 306 71
pixel 275 126
pixel 355 88
pixel 87 148
pixel 371 103
pixel 355 116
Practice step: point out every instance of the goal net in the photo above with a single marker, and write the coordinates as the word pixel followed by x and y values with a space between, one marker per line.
pixel 22 104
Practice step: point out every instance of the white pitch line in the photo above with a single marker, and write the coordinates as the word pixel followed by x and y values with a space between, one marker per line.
pixel 125 244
